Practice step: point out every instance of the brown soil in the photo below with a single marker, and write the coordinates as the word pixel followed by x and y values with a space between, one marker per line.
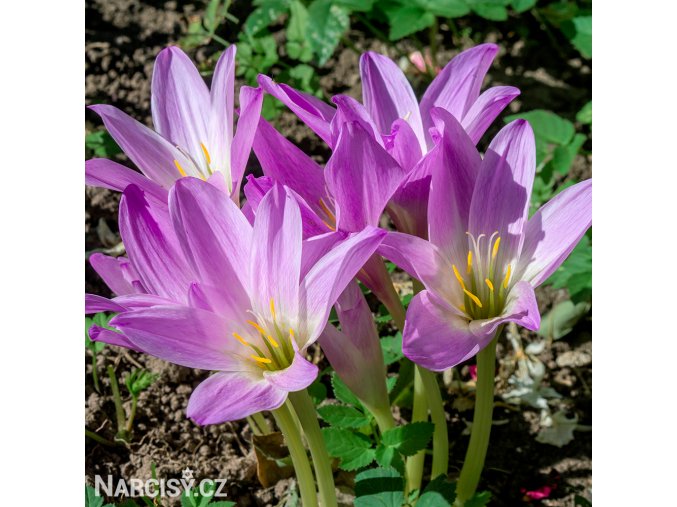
pixel 122 39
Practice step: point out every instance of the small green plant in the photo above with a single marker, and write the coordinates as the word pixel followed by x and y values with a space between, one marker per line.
pixel 100 319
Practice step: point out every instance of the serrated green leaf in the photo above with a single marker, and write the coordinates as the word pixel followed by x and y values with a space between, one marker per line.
pixel 138 380
pixel 91 498
pixel 317 391
pixel 353 449
pixel 379 487
pixel 356 5
pixel 407 19
pixel 101 144
pixel 298 46
pixel 342 393
pixel 494 10
pixel 409 439
pixel 584 116
pixel 389 457
pixel 479 499
pixel 264 15
pixel 445 8
pixel 392 348
pixel 438 493
pixel 580 34
pixel 341 416
pixel 327 23
pixel 523 5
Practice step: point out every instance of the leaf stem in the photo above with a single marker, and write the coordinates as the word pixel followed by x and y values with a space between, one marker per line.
pixel 262 422
pixel 95 373
pixel 414 466
pixel 440 437
pixel 119 411
pixel 304 474
pixel 305 410
pixel 481 426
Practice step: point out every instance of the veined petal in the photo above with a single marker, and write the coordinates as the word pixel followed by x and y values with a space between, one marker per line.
pixel 276 254
pixel 311 110
pixel 180 102
pixel 500 201
pixel 326 280
pixel 298 375
pixel 436 337
pixel 521 307
pixel 111 271
pixel 387 94
pixel 214 234
pixel 553 232
pixel 457 87
pixel 486 108
pixel 149 151
pixel 152 246
pixel 101 334
pixel 457 163
pixel 229 396
pixel 349 110
pixel 182 335
pixel 402 144
pixel 316 247
pixel 251 100
pixel 362 177
pixel 104 173
pixel 96 304
pixel 220 117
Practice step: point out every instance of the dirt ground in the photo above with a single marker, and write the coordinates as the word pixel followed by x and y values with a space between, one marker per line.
pixel 122 39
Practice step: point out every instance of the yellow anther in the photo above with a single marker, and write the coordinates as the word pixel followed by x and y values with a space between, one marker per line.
pixel 458 276
pixel 257 327
pixel 474 298
pixel 259 359
pixel 272 341
pixel 469 261
pixel 507 278
pixel 327 211
pixel 489 284
pixel 291 332
pixel 272 308
pixel 178 166
pixel 462 308
pixel 204 149
pixel 494 252
pixel 240 339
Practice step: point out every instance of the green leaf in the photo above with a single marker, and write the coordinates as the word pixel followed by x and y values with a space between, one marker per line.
pixel 356 5
pixel 495 10
pixel 579 31
pixel 390 383
pixel 342 393
pixel 327 23
pixel 563 156
pixel 407 19
pixel 438 493
pixel 559 321
pixel 101 144
pixel 389 457
pixel 341 416
pixel 303 74
pixel 264 15
pixel 379 487
pixel 547 125
pixel 584 116
pixel 353 449
pixel 298 46
pixel 445 8
pixel 409 439
pixel 392 348
pixel 479 499
pixel 138 380
pixel 575 273
pixel 523 5
pixel 91 498
pixel 580 501
pixel 317 391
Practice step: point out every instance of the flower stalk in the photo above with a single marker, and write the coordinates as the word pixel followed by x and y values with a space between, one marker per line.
pixel 304 474
pixel 481 426
pixel 440 437
pixel 305 411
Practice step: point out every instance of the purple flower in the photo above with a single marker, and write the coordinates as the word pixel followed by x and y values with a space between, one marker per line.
pixel 485 256
pixel 194 134
pixel 401 127
pixel 211 291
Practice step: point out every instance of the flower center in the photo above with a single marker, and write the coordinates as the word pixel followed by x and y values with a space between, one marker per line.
pixel 270 351
pixel 199 172
pixel 485 282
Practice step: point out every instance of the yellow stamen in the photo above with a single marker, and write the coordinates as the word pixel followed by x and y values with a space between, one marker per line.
pixel 291 332
pixel 474 298
pixel 469 261
pixel 178 166
pixel 462 308
pixel 507 278
pixel 458 276
pixel 495 250
pixel 204 149
pixel 272 341
pixel 489 284
pixel 240 339
pixel 263 360
pixel 272 308
pixel 257 327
